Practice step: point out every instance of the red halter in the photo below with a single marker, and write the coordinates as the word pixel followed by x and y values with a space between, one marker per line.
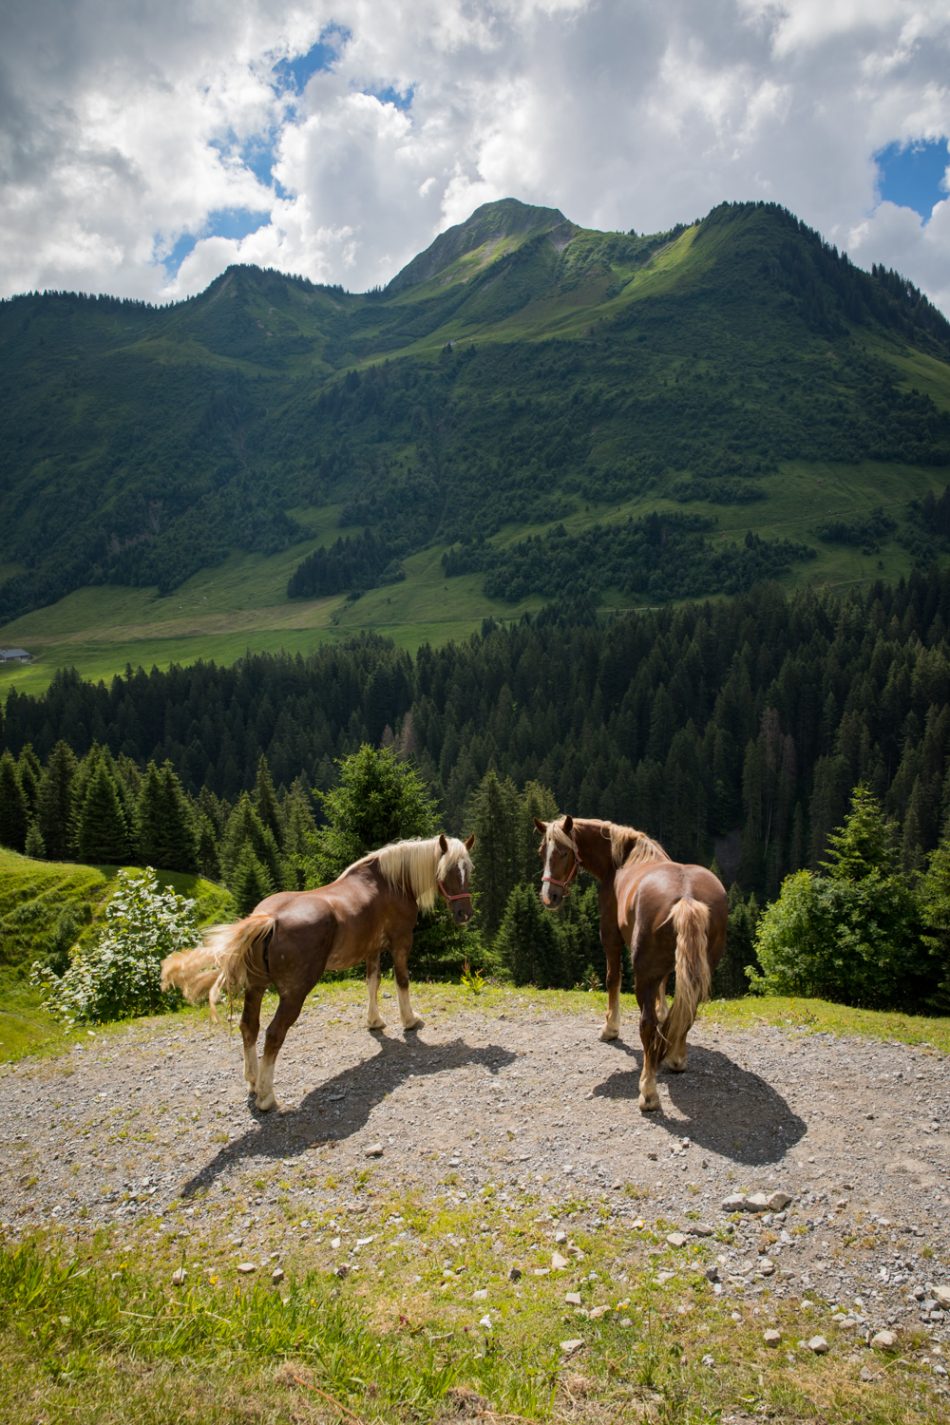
pixel 462 895
pixel 565 885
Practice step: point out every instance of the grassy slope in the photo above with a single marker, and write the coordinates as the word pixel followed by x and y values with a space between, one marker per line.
pixel 33 894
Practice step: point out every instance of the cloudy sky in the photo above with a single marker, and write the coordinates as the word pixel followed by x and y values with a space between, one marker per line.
pixel 144 146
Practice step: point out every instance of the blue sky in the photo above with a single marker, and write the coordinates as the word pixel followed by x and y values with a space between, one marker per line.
pixel 142 158
pixel 912 175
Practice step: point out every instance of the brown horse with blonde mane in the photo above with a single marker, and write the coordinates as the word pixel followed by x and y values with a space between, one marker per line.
pixel 293 937
pixel 671 916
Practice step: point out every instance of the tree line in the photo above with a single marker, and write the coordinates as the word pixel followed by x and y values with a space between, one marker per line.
pixel 734 733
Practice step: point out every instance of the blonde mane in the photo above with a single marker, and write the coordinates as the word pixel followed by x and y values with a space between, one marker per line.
pixel 416 867
pixel 628 847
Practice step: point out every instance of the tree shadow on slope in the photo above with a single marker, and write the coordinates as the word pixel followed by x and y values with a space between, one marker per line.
pixel 341 1106
pixel 721 1107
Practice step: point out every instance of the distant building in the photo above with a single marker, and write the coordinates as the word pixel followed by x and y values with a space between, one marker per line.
pixel 14 655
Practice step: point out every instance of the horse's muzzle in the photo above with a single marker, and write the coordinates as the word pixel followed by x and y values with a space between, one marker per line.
pixel 462 912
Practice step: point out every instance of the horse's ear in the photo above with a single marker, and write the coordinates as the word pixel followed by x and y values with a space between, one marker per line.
pixel 567 825
pixel 443 844
pixel 542 826
pixel 469 842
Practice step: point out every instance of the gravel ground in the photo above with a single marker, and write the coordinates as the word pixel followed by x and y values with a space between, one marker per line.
pixel 857 1134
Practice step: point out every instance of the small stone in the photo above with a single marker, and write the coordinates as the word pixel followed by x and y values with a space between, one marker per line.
pixel 883 1341
pixel 558 1262
pixel 560 1236
pixel 514 1274
pixel 245 1268
pixel 676 1239
pixel 277 1275
pixel 342 1271
pixel 598 1312
pixel 757 1202
pixel 570 1348
pixel 179 1277
pixel 735 1202
pixel 778 1201
pixel 481 1294
pixel 573 1298
pixel 375 1150
pixel 772 1338
pixel 819 1345
pixel 486 1321
pixel 712 1273
pixel 942 1296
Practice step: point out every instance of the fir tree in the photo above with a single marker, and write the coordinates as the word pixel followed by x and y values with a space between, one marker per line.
pixel 13 810
pixel 54 801
pixel 526 942
pixel 102 836
pixel 495 817
pixel 377 799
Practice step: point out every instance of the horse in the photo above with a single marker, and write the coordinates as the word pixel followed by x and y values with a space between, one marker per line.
pixel 670 917
pixel 290 939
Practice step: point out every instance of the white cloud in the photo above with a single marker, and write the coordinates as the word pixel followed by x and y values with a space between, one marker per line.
pixel 123 126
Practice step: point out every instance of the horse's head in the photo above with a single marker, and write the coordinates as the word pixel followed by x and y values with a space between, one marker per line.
pixel 454 877
pixel 560 858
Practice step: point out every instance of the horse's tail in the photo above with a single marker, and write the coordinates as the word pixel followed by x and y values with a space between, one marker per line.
pixel 693 974
pixel 223 963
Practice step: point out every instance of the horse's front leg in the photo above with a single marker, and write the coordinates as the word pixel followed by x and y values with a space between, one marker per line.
pixel 374 1019
pixel 250 1028
pixel 288 1010
pixel 613 951
pixel 652 1041
pixel 400 947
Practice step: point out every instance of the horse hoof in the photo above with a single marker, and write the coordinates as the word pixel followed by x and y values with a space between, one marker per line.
pixel 264 1105
pixel 648 1105
pixel 414 1024
pixel 607 1034
pixel 380 1024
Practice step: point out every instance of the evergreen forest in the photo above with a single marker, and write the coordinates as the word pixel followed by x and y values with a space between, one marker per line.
pixel 752 734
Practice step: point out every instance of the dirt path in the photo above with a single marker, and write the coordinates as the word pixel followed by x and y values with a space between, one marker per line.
pixel 857 1133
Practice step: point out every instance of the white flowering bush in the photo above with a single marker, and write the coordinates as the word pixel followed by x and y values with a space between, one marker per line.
pixel 118 974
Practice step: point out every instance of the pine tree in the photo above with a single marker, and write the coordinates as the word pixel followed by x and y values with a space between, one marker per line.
pixel 29 772
pixel 526 941
pixel 250 882
pixel 265 803
pixel 245 828
pixel 102 834
pixel 494 817
pixel 54 801
pixel 377 799
pixel 166 835
pixel 13 811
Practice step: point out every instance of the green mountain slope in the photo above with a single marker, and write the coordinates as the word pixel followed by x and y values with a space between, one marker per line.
pixel 528 410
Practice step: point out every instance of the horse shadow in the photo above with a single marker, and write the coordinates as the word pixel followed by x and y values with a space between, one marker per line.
pixel 352 1094
pixel 725 1109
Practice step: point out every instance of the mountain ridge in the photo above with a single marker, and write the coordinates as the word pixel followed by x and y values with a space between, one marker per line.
pixel 519 357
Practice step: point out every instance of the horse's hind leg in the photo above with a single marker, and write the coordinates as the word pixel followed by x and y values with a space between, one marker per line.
pixel 400 951
pixel 250 1028
pixel 652 1040
pixel 287 1011
pixel 374 1019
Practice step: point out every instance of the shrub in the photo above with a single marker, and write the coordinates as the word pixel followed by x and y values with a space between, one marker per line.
pixel 118 974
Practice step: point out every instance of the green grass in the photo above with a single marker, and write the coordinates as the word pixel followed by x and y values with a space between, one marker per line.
pixel 95 1329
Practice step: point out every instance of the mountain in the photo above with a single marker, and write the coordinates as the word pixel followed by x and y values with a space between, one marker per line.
pixel 532 409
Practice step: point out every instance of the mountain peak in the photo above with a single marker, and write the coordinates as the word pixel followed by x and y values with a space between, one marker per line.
pixel 496 227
